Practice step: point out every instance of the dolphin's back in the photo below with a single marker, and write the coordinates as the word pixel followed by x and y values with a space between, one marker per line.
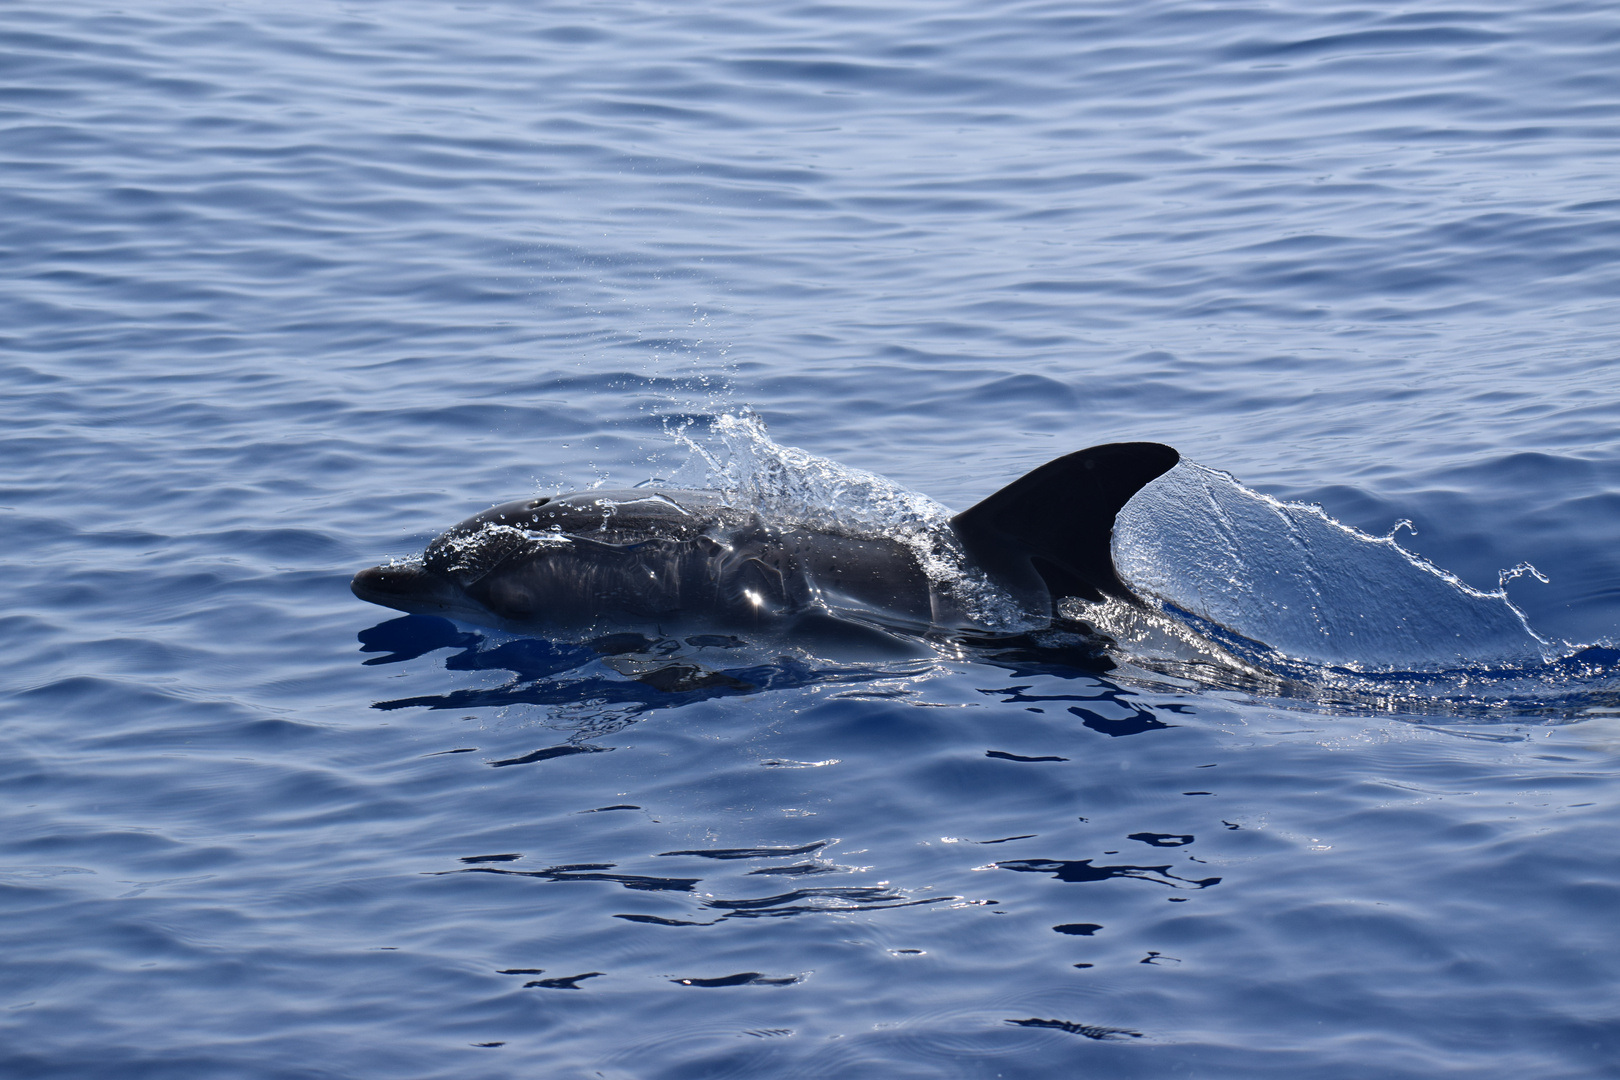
pixel 680 558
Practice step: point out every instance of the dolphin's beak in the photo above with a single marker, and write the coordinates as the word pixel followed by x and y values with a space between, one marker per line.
pixel 406 588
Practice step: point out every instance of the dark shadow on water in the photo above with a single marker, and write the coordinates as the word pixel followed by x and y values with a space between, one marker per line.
pixel 548 753
pixel 564 982
pixel 590 872
pixel 1064 650
pixel 1090 1031
pixel 1135 717
pixel 746 978
pixel 643 673
pixel 612 680
pixel 1002 755
pixel 803 901
pixel 750 853
pixel 1079 871
pixel 608 682
pixel 411 636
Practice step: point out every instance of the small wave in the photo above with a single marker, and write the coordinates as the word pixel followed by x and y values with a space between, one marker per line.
pixel 1279 583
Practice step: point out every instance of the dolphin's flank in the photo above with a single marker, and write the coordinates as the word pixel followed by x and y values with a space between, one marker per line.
pixel 673 558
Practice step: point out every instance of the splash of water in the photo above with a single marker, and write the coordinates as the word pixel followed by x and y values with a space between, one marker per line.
pixel 784 483
pixel 1306 586
pixel 789 486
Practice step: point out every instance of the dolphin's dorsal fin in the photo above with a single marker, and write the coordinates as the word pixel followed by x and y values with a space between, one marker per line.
pixel 1048 534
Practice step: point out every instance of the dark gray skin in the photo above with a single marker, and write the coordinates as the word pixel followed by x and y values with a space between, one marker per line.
pixel 677 559
pixel 683 560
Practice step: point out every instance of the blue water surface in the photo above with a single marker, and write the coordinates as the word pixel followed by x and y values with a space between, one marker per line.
pixel 289 288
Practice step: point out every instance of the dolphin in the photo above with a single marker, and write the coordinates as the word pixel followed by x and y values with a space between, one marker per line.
pixel 685 560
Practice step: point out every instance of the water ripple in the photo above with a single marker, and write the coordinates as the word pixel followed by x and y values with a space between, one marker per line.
pixel 291 289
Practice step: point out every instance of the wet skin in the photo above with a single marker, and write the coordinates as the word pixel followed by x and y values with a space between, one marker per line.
pixel 684 560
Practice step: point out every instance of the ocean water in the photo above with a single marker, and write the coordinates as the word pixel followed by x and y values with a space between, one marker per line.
pixel 291 288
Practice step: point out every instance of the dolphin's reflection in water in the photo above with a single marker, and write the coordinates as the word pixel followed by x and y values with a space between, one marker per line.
pixel 603 684
pixel 622 676
pixel 600 686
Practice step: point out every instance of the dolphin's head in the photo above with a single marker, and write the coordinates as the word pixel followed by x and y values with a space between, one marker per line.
pixel 411 587
pixel 514 566
pixel 447 579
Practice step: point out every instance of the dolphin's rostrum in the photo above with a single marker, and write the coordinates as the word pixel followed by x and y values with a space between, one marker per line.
pixel 684 559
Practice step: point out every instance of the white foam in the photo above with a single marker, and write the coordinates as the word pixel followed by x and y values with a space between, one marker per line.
pixel 787 485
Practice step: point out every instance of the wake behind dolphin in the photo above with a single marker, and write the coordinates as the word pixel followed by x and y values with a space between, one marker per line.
pixel 1112 538
pixel 1292 583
